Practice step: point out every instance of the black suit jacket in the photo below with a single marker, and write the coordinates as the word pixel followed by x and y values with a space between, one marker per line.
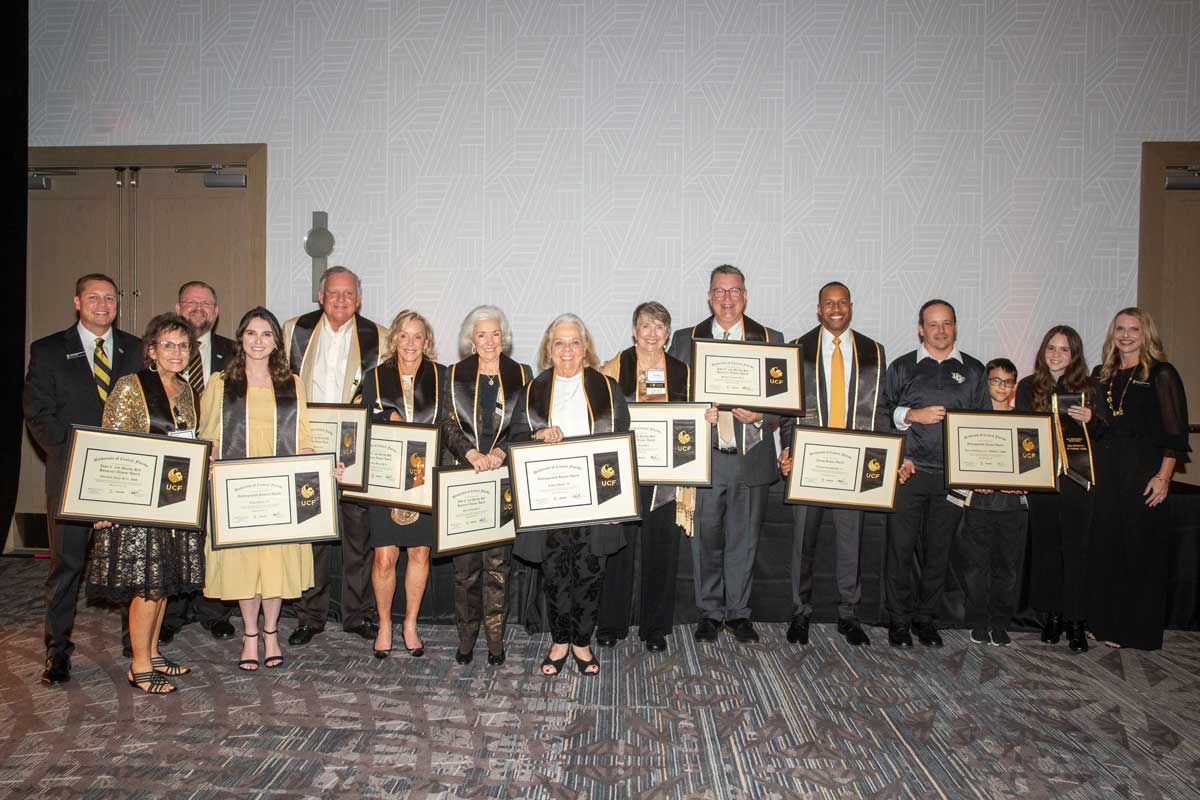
pixel 220 353
pixel 60 391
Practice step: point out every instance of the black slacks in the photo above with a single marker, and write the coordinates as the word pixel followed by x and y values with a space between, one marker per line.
pixel 358 601
pixel 921 525
pixel 481 591
pixel 572 576
pixel 1060 534
pixel 658 536
pixel 993 553
pixel 68 554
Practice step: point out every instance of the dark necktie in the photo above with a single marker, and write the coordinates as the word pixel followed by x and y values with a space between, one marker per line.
pixel 102 369
pixel 195 371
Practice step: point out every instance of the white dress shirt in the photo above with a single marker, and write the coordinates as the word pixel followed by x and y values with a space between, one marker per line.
pixel 329 362
pixel 569 411
pixel 89 345
pixel 846 345
pixel 922 354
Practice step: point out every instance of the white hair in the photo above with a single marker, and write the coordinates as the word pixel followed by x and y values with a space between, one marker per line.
pixel 474 317
pixel 341 271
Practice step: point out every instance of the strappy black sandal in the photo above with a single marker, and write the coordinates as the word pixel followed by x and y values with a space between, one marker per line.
pixel 249 664
pixel 271 662
pixel 584 667
pixel 155 682
pixel 557 663
pixel 166 666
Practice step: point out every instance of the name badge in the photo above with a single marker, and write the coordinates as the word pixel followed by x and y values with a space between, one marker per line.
pixel 656 382
pixel 183 433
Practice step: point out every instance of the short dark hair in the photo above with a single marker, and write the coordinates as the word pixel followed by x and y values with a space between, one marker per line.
pixel 726 269
pixel 164 323
pixel 95 276
pixel 936 302
pixel 831 285
pixel 1002 364
pixel 190 284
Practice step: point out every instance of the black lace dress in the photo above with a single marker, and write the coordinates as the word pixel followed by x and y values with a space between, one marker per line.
pixel 129 561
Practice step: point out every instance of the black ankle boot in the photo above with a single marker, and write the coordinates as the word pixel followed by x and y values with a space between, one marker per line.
pixel 1052 630
pixel 1077 637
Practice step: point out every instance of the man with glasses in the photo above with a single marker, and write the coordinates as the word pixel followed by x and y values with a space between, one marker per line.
pixel 919 388
pixel 729 513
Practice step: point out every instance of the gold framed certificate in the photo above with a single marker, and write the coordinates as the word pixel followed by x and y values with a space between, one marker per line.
pixel 755 376
pixel 674 443
pixel 400 461
pixel 999 450
pixel 274 500
pixel 844 469
pixel 135 479
pixel 342 430
pixel 473 510
pixel 584 480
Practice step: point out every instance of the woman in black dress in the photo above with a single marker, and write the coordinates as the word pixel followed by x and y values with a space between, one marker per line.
pixel 1060 524
pixel 484 388
pixel 646 374
pixel 570 398
pixel 407 386
pixel 138 566
pixel 1148 438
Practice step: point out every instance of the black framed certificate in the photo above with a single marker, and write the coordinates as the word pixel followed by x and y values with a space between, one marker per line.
pixel 473 510
pixel 844 469
pixel 400 461
pixel 999 450
pixel 135 479
pixel 342 430
pixel 755 376
pixel 584 480
pixel 674 443
pixel 274 500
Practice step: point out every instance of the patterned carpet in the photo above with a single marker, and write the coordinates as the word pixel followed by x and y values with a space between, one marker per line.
pixel 713 721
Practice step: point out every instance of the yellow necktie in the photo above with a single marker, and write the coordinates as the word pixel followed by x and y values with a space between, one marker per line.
pixel 725 434
pixel 101 369
pixel 837 387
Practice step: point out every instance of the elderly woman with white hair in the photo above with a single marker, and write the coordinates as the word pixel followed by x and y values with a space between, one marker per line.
pixel 484 388
pixel 570 398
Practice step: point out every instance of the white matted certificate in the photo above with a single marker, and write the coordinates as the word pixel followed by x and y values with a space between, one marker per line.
pixel 400 461
pixel 584 480
pixel 756 376
pixel 1000 450
pixel 342 430
pixel 473 510
pixel 674 443
pixel 276 500
pixel 844 468
pixel 135 479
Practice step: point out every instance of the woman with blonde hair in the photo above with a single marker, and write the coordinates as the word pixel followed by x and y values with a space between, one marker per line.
pixel 1148 437
pixel 407 386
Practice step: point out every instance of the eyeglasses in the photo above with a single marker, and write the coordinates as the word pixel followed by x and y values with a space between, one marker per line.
pixel 197 304
pixel 175 347
pixel 734 294
pixel 1002 382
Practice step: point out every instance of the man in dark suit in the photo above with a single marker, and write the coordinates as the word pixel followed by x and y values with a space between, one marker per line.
pixel 842 372
pixel 70 375
pixel 729 514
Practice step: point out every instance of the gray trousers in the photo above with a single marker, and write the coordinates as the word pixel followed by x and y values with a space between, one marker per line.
pixel 729 516
pixel 847 525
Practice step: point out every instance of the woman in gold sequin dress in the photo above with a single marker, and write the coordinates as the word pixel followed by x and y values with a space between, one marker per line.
pixel 141 566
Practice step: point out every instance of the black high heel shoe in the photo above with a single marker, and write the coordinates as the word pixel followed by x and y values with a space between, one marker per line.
pixel 557 663
pixel 271 662
pixel 415 652
pixel 584 666
pixel 250 664
pixel 464 658
pixel 496 659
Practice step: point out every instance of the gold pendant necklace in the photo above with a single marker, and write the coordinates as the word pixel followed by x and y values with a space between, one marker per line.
pixel 1119 410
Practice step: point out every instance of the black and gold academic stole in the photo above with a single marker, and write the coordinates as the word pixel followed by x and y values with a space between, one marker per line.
pixel 348 444
pixel 414 471
pixel 1029 450
pixel 683 442
pixel 1074 444
pixel 874 468
pixel 308 495
pixel 172 487
pixel 608 476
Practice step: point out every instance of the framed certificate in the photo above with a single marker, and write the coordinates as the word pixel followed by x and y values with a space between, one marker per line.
pixel 999 450
pixel 343 431
pixel 585 480
pixel 275 500
pixel 473 509
pixel 674 443
pixel 135 479
pixel 400 461
pixel 844 469
pixel 752 375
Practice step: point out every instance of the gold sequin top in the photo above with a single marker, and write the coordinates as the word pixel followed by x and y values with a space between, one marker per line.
pixel 126 409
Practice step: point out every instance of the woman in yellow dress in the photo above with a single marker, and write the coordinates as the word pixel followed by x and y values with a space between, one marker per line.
pixel 256 407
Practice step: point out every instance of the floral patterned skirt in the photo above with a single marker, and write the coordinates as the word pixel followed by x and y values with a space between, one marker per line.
pixel 151 563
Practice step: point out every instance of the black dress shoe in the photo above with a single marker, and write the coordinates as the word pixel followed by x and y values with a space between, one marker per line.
pixel 853 632
pixel 302 635
pixel 928 635
pixel 496 659
pixel 898 636
pixel 367 629
pixel 1077 637
pixel 222 629
pixel 656 644
pixel 1053 629
pixel 707 630
pixel 797 632
pixel 605 640
pixel 58 670
pixel 464 658
pixel 166 633
pixel 743 630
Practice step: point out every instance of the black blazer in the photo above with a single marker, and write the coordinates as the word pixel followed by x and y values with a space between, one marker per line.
pixel 60 391
pixel 221 352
